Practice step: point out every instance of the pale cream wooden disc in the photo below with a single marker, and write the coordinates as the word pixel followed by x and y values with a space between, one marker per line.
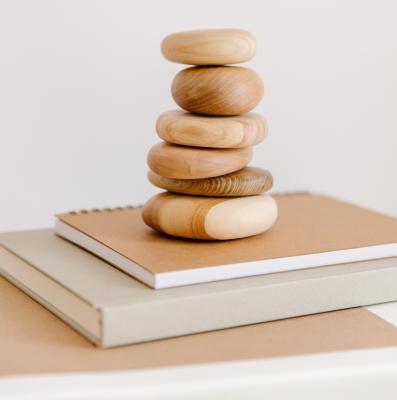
pixel 209 47
pixel 245 182
pixel 210 218
pixel 219 132
pixel 182 162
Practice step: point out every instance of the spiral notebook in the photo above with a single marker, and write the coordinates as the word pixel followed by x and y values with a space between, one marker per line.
pixel 311 231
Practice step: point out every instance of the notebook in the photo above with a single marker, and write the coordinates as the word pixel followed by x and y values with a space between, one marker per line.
pixel 311 231
pixel 33 341
pixel 111 309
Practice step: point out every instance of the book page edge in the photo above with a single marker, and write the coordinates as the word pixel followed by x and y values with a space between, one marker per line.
pixel 117 260
pixel 261 267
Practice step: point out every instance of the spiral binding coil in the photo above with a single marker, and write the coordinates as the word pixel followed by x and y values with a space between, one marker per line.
pixel 121 208
pixel 118 208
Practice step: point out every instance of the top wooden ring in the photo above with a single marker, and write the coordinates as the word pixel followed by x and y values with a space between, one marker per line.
pixel 209 47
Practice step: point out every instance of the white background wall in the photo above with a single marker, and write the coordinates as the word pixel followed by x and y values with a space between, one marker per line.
pixel 82 82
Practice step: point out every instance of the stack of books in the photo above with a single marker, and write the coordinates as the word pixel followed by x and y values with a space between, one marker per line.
pixel 118 282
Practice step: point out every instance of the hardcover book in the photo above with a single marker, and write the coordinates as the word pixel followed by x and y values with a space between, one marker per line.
pixel 110 308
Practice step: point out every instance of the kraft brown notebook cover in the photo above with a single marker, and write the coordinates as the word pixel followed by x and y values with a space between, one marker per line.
pixel 32 340
pixel 311 231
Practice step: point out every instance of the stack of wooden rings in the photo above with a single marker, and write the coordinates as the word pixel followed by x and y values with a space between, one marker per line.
pixel 202 162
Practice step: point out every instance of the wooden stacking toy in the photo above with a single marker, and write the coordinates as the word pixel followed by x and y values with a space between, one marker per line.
pixel 202 162
pixel 187 129
pixel 217 90
pixel 244 182
pixel 199 217
pixel 209 47
pixel 184 162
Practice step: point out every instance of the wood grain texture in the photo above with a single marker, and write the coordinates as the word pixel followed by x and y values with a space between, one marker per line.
pixel 181 162
pixel 204 131
pixel 245 182
pixel 217 90
pixel 209 47
pixel 210 218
